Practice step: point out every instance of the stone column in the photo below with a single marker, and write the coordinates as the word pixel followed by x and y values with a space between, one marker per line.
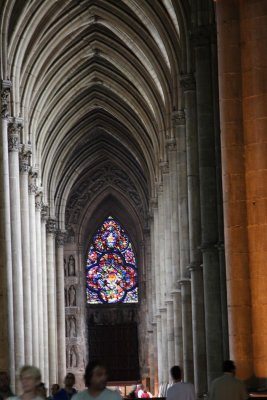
pixel 162 283
pixel 34 279
pixel 168 269
pixel 175 253
pixel 159 351
pixel 198 316
pixel 61 342
pixel 187 330
pixel 178 328
pixel 51 299
pixel 39 261
pixel 26 256
pixel 45 294
pixel 242 39
pixel 202 40
pixel 179 124
pixel 14 127
pixel 7 357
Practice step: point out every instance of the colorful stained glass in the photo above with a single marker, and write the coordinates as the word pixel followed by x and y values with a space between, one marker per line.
pixel 111 273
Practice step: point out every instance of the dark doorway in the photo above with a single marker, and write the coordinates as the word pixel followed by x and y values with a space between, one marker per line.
pixel 116 345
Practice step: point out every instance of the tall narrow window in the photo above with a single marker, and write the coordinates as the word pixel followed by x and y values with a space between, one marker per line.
pixel 111 272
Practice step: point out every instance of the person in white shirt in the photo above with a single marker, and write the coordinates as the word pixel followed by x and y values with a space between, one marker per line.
pixel 140 390
pixel 180 390
pixel 228 386
pixel 95 379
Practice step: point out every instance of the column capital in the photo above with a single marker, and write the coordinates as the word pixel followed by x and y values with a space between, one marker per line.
pixel 153 202
pixel 32 183
pixel 60 238
pixel 184 282
pixel 44 211
pixel 194 266
pixel 169 301
pixel 24 159
pixel 14 129
pixel 38 200
pixel 5 91
pixel 188 82
pixel 51 226
pixel 164 167
pixel 178 118
pixel 171 144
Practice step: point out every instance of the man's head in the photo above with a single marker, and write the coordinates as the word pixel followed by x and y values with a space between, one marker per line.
pixel 176 373
pixel 69 380
pixel 95 376
pixel 30 378
pixel 4 381
pixel 229 366
pixel 55 388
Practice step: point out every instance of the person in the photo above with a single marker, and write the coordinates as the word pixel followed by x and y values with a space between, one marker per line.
pixel 30 378
pixel 5 390
pixel 55 388
pixel 146 394
pixel 180 390
pixel 41 390
pixel 95 379
pixel 68 391
pixel 228 386
pixel 140 390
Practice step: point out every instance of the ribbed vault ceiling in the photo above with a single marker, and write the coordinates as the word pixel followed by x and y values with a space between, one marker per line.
pixel 96 82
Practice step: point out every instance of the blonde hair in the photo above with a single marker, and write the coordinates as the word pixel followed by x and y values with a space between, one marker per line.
pixel 31 370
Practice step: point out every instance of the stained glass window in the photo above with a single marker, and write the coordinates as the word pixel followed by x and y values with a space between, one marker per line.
pixel 111 272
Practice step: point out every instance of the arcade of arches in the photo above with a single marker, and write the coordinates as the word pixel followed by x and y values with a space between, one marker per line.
pixel 152 112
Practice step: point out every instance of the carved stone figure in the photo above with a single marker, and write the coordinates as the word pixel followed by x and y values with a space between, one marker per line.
pixel 72 296
pixel 71 266
pixel 66 298
pixel 65 268
pixel 72 327
pixel 73 358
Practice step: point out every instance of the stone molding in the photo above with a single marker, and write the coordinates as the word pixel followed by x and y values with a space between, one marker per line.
pixel 184 282
pixel 102 177
pixel 178 118
pixel 192 267
pixel 5 91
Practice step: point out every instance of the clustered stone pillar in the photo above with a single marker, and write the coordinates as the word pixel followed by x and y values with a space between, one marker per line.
pixel 202 41
pixel 44 217
pixel 61 334
pixel 14 128
pixel 51 303
pixel 194 220
pixel 7 357
pixel 39 261
pixel 34 278
pixel 242 40
pixel 26 256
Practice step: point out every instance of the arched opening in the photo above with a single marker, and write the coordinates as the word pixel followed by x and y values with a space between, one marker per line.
pixel 112 302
